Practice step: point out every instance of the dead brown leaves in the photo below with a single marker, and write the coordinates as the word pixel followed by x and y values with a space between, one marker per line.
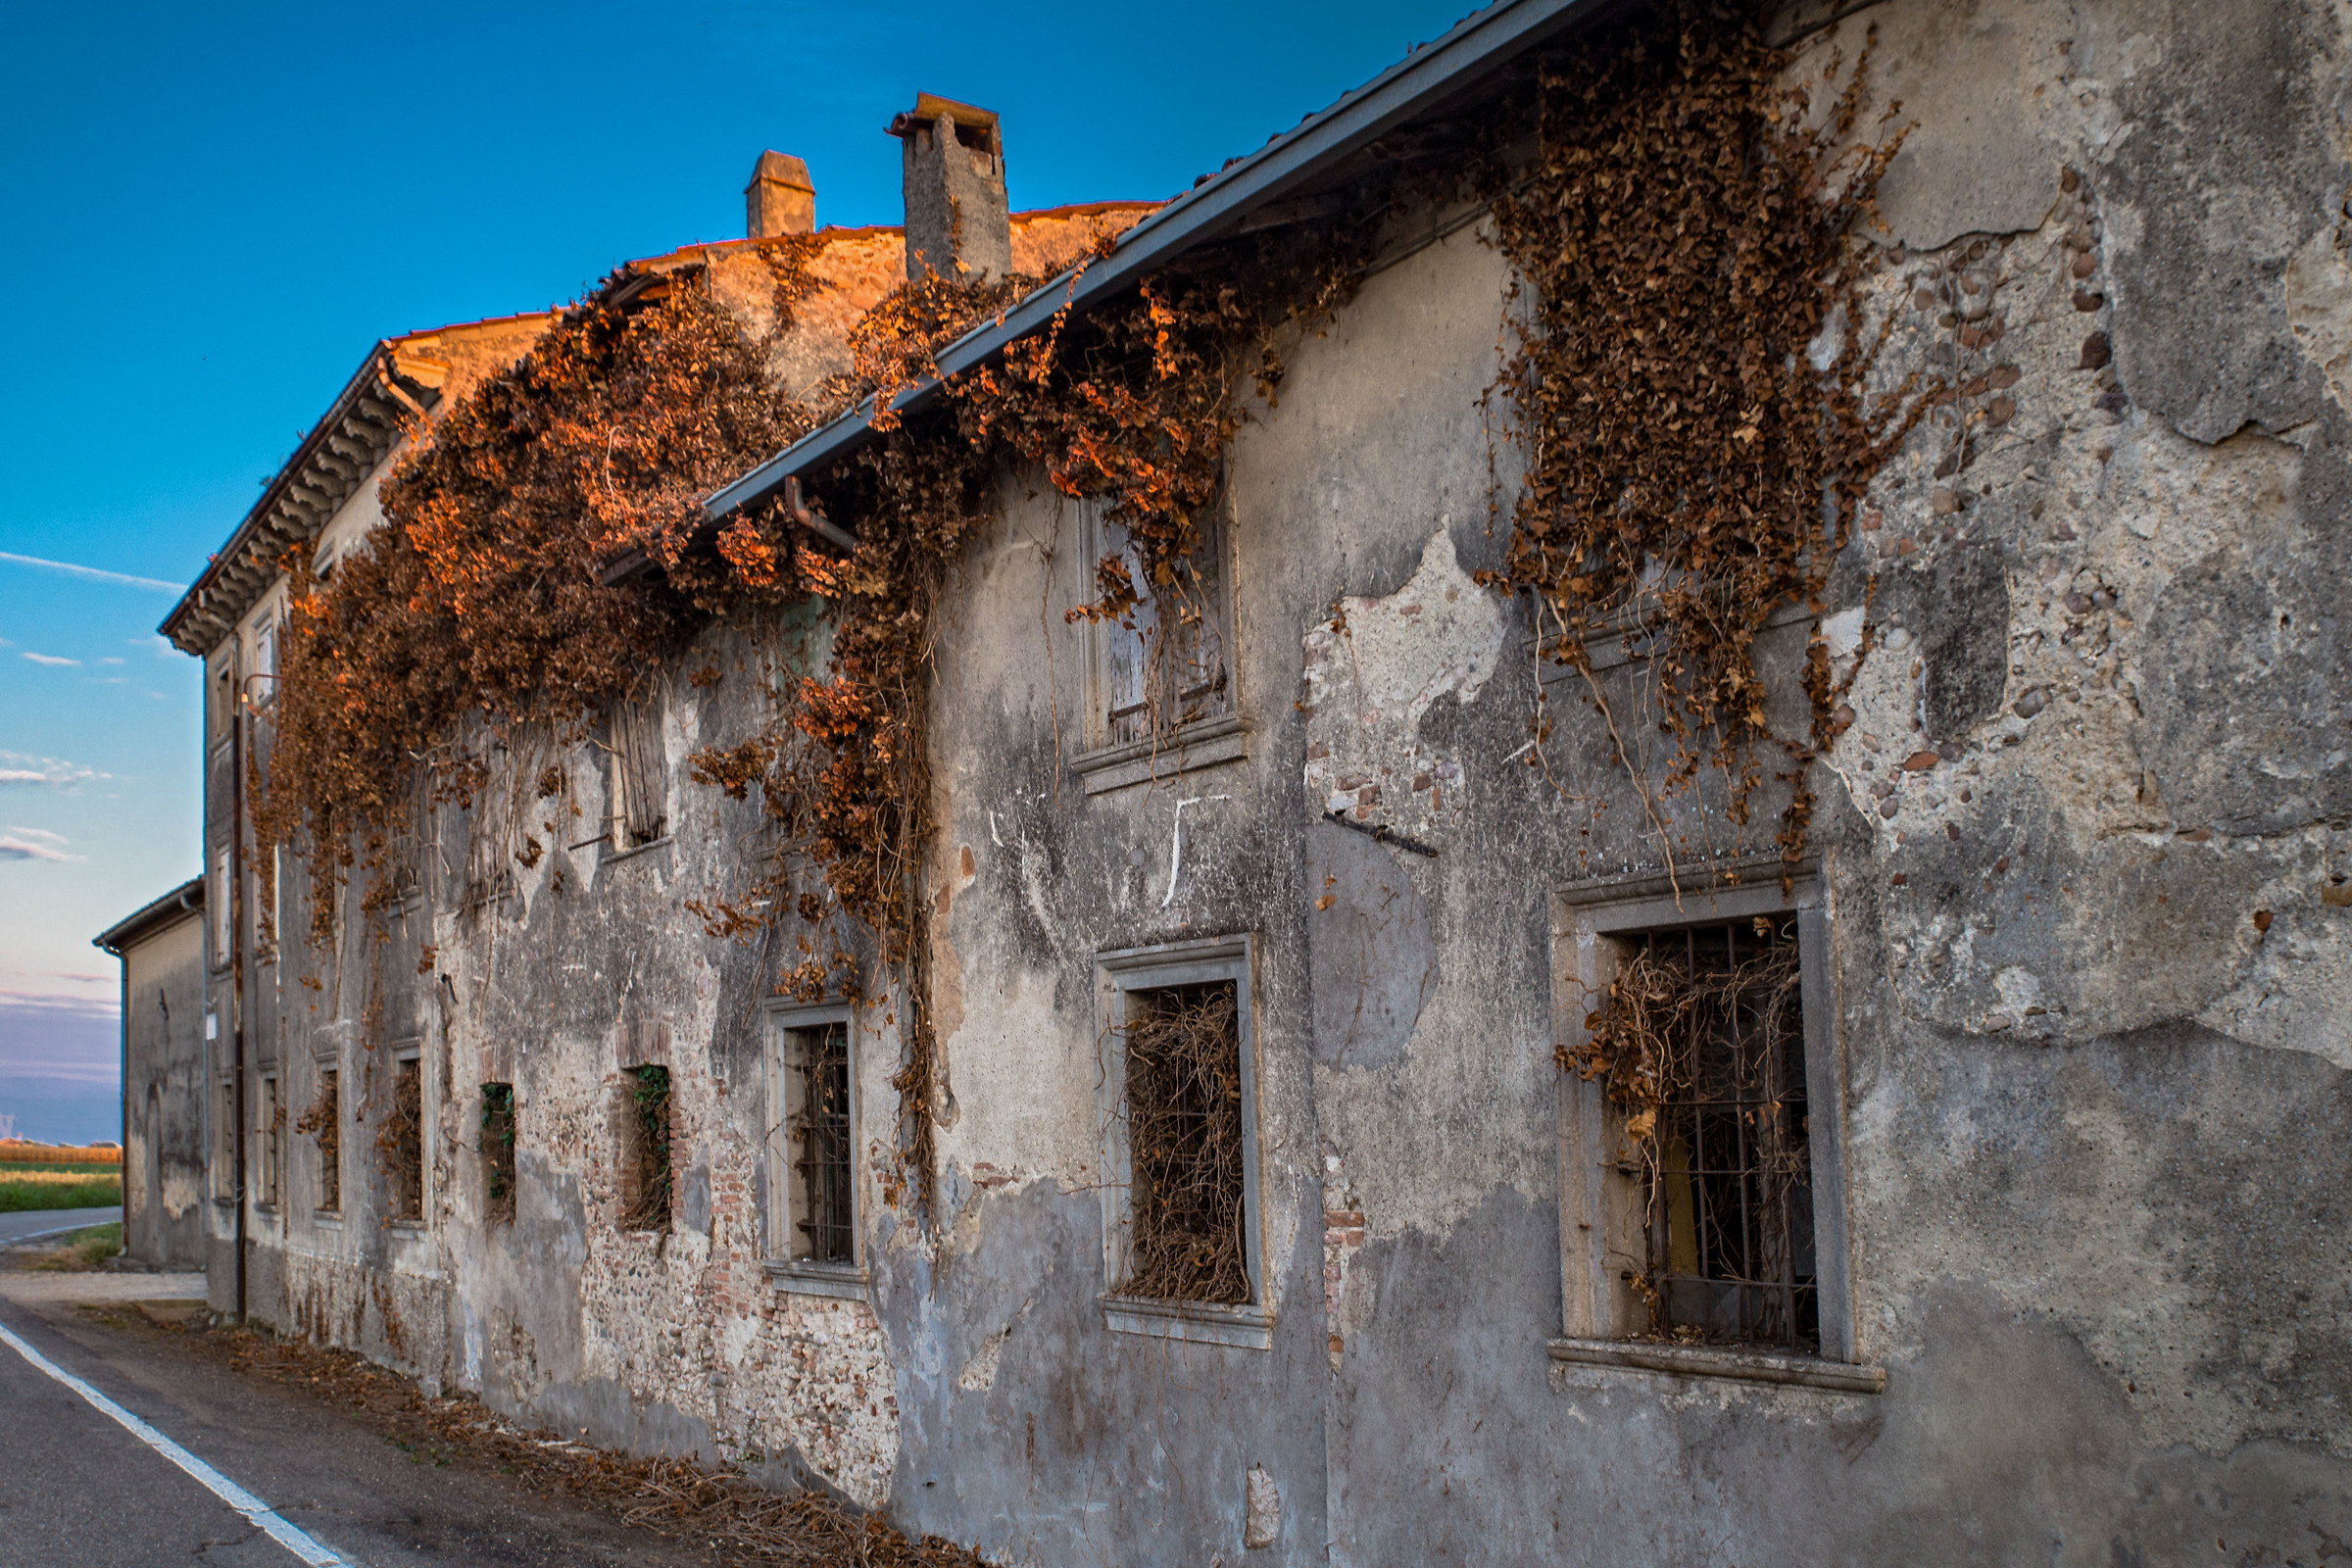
pixel 1689 244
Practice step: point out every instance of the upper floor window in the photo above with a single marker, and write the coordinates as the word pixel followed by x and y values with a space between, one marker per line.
pixel 1167 663
pixel 220 698
pixel 640 772
pixel 262 682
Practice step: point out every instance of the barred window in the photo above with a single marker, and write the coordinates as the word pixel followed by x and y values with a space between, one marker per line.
pixel 1183 1113
pixel 1697 1039
pixel 322 1124
pixel 401 1141
pixel 644 1149
pixel 819 1139
pixel 272 1129
pixel 497 1149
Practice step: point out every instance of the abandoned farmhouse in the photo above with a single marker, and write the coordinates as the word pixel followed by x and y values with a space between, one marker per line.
pixel 1600 814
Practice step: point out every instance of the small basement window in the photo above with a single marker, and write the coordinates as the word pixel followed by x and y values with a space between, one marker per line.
pixel 645 1143
pixel 401 1141
pixel 322 1124
pixel 497 1149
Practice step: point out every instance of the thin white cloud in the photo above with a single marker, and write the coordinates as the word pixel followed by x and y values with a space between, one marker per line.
pixel 51 660
pixel 22 767
pixel 38 833
pixel 13 847
pixel 109 659
pixel 91 573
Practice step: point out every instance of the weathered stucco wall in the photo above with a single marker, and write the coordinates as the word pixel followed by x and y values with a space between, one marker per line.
pixel 2084 853
pixel 163 1096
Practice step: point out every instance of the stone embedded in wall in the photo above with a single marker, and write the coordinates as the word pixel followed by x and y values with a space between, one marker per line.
pixel 1372 671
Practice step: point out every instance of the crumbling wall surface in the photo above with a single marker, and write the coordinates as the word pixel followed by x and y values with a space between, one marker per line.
pixel 555 970
pixel 2084 845
pixel 1030 1427
pixel 164 1094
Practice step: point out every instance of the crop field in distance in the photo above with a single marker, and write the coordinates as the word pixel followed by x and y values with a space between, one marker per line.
pixel 46 1176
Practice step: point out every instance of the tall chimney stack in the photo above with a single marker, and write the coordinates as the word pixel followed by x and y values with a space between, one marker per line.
pixel 779 200
pixel 957 223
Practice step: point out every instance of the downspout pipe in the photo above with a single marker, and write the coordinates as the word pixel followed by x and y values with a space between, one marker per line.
pixel 237 948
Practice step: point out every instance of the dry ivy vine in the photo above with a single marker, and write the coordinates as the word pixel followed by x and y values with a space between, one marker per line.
pixel 1690 377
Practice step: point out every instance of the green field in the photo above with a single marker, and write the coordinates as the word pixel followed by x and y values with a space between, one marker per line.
pixel 57 1185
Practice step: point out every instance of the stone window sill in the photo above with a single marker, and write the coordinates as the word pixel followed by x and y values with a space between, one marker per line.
pixel 1204 744
pixel 1249 1328
pixel 844 1281
pixel 413 1228
pixel 612 856
pixel 1721 1361
pixel 328 1220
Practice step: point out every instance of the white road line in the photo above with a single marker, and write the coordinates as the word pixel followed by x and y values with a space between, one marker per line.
pixel 245 1503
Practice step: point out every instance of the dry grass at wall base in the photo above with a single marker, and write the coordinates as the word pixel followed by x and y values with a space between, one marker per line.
pixel 79 1253
pixel 715 1510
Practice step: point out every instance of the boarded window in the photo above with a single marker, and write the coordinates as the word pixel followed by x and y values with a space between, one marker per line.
pixel 265 657
pixel 818 1134
pixel 322 1123
pixel 402 1142
pixel 645 1171
pixel 640 773
pixel 224 910
pixel 497 1147
pixel 1700 1044
pixel 1182 1050
pixel 1166 662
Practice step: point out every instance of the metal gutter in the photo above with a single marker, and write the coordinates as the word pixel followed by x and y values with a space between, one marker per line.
pixel 1476 46
pixel 185 899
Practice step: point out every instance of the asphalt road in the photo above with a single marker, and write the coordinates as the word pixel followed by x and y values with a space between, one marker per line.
pixel 31 1223
pixel 77 1489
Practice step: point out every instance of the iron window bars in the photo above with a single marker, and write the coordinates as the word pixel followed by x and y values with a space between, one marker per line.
pixel 821 1124
pixel 1730 1214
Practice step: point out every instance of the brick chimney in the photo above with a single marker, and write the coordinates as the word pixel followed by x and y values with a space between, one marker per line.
pixel 957 223
pixel 779 200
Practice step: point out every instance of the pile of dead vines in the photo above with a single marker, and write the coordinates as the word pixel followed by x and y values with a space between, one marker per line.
pixel 1689 374
pixel 1183 1123
pixel 740 1520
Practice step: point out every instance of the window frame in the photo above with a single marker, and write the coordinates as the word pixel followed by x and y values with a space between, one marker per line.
pixel 787 1271
pixel 1118 976
pixel 1106 763
pixel 1601 1207
pixel 648 718
pixel 403 1051
pixel 329 1154
pixel 270 1133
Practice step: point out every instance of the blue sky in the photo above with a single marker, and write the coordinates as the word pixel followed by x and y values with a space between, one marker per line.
pixel 212 212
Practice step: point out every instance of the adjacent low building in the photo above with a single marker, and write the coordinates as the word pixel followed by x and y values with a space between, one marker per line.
pixel 165 1053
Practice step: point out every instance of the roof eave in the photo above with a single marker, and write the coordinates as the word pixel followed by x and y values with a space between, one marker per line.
pixel 1478 45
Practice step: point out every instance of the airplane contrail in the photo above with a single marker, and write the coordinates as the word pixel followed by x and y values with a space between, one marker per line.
pixel 92 572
